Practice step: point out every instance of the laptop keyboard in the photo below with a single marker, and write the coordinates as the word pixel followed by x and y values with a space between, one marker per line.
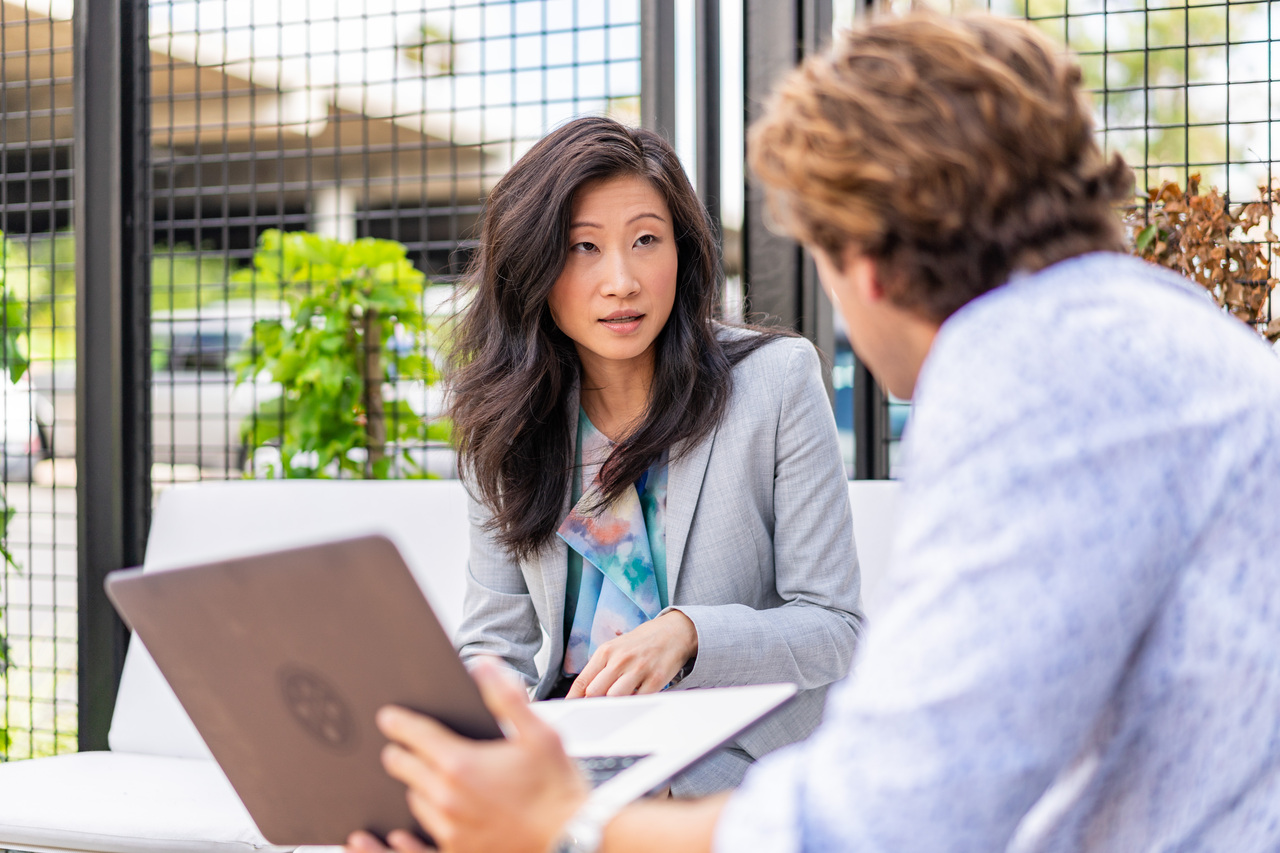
pixel 601 768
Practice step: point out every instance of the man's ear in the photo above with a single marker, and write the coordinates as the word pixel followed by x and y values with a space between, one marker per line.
pixel 861 275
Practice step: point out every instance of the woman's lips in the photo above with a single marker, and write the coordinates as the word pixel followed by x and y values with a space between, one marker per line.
pixel 622 322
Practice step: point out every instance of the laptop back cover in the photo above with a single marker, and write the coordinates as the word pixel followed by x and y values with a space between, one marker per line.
pixel 255 649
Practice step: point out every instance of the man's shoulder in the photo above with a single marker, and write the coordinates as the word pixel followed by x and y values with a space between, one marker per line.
pixel 1088 319
pixel 1101 349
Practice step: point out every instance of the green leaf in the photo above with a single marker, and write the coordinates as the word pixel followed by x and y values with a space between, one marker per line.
pixel 1146 237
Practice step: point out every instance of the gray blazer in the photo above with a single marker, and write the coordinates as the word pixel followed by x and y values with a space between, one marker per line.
pixel 760 557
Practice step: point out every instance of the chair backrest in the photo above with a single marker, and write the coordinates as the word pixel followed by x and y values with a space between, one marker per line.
pixel 210 521
pixel 874 504
pixel 426 519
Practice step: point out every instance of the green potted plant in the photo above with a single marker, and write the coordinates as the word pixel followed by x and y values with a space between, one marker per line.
pixel 355 324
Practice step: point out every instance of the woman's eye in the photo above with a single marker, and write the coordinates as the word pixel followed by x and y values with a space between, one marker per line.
pixel 647 239
pixel 583 247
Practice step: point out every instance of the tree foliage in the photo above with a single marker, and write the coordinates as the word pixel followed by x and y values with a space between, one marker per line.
pixel 348 303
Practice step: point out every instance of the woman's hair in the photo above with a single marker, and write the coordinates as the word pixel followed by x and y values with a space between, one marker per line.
pixel 513 368
pixel 952 152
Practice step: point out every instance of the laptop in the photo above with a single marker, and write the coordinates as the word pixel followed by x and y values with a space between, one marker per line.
pixel 282 659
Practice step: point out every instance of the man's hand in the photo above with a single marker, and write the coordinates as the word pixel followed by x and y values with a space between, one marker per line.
pixel 643 660
pixel 486 796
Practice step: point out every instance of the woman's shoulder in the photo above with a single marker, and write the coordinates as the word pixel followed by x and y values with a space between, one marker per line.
pixel 775 355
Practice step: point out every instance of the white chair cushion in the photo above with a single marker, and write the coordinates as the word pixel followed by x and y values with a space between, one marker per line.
pixel 119 803
pixel 874 504
pixel 212 521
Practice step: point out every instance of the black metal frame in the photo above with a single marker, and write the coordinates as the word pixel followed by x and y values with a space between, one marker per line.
pixel 112 400
pixel 870 403
pixel 658 67
pixel 707 82
pixel 780 281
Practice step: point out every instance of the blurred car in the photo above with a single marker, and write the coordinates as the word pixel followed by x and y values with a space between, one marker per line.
pixel 196 406
pixel 25 416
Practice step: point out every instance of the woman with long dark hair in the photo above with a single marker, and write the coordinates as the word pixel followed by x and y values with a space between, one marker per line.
pixel 659 494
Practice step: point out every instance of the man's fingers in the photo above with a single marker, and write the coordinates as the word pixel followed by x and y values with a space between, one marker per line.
pixel 403 841
pixel 418 733
pixel 363 842
pixel 430 818
pixel 510 704
pixel 405 766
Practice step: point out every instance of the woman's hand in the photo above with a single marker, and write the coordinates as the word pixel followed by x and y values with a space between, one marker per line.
pixel 508 795
pixel 643 660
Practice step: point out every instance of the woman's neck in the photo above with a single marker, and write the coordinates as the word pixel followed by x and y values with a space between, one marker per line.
pixel 615 395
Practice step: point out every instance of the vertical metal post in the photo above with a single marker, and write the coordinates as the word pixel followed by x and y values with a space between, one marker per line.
pixel 658 67
pixel 816 320
pixel 870 404
pixel 780 281
pixel 112 401
pixel 707 72
pixel 870 427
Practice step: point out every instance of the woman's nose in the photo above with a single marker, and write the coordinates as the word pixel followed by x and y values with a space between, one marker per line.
pixel 621 279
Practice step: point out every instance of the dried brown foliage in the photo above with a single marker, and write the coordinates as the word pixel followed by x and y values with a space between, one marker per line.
pixel 1213 243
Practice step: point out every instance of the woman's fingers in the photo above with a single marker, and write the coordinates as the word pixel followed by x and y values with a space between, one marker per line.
pixel 589 672
pixel 626 684
pixel 643 660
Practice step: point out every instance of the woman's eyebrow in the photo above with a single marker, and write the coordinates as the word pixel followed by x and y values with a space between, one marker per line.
pixel 636 218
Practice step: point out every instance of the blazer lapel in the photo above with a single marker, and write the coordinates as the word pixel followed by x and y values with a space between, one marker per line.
pixel 553 558
pixel 685 473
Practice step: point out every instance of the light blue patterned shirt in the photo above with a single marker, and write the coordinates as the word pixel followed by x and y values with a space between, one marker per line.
pixel 1081 647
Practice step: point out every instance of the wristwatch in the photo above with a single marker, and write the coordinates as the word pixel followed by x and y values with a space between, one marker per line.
pixel 584 832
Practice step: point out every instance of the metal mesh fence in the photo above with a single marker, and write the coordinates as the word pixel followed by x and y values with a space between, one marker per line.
pixel 38 568
pixel 392 119
pixel 1179 89
pixel 388 119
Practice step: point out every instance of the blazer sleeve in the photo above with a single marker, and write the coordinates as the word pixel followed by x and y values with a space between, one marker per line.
pixel 498 613
pixel 810 638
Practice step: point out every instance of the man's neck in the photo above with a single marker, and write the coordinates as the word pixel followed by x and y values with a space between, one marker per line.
pixel 912 341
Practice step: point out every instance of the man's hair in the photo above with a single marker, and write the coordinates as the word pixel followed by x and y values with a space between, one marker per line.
pixel 951 151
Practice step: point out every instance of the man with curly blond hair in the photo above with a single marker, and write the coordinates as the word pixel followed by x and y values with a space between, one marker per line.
pixel 1081 646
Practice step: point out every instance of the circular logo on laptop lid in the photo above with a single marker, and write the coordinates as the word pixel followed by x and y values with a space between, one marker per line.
pixel 318 707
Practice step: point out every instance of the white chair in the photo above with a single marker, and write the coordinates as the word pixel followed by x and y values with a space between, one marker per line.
pixel 158 789
pixel 874 504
